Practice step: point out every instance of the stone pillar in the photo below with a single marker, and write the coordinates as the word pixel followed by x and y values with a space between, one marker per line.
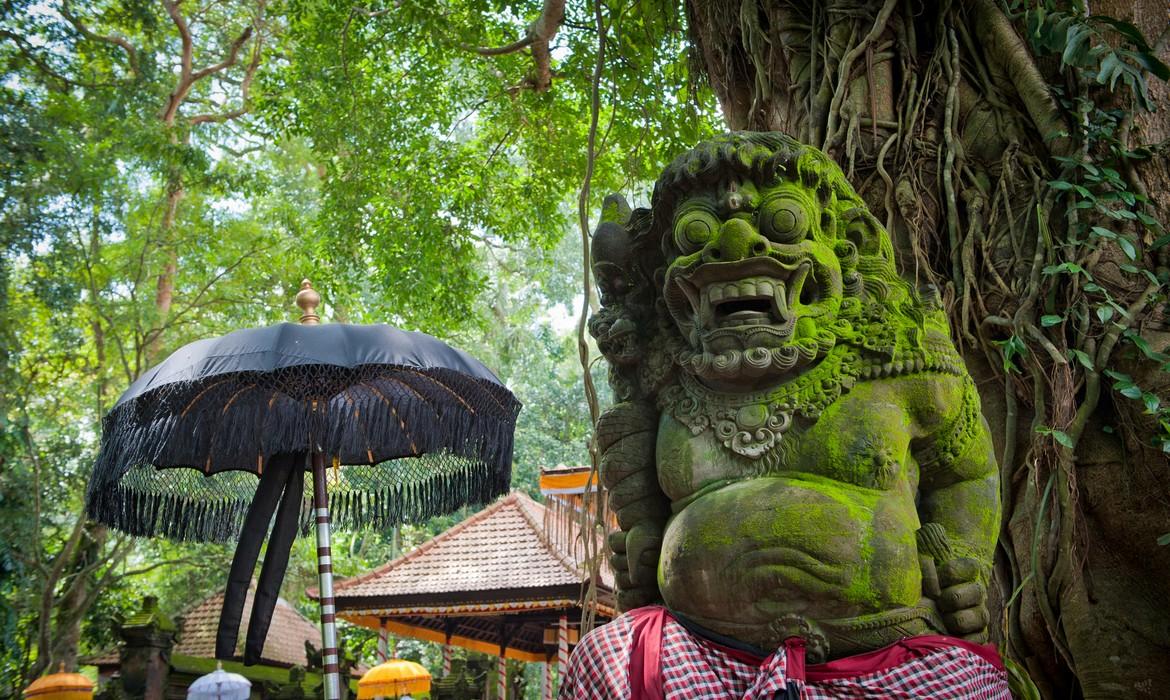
pixel 148 637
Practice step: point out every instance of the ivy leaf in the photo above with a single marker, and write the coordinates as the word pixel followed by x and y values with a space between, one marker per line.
pixel 1059 435
pixel 1050 320
pixel 1011 348
pixel 1111 67
pixel 1125 29
pixel 1068 267
pixel 1104 313
pixel 1082 357
pixel 1132 392
pixel 1164 539
pixel 1128 247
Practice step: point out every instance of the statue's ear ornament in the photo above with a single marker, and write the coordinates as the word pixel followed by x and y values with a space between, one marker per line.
pixel 863 230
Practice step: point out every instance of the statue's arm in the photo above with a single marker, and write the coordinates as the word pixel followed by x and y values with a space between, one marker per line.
pixel 959 511
pixel 626 437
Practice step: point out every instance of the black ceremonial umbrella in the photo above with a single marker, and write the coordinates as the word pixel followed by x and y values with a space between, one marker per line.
pixel 215 441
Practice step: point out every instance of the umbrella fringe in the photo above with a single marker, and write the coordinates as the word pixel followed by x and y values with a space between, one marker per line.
pixel 479 445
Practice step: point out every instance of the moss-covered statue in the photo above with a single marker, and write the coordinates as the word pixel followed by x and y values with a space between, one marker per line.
pixel 796 457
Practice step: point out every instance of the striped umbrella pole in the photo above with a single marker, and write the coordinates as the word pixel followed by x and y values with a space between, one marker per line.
pixel 547 685
pixel 447 657
pixel 502 676
pixel 325 579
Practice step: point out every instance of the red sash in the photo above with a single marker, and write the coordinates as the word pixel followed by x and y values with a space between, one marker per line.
pixel 646 653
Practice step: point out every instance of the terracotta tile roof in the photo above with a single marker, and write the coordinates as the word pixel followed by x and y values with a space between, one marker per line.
pixel 285 645
pixel 501 548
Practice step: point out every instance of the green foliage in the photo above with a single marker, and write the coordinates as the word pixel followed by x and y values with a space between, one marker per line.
pixel 414 180
pixel 1104 47
pixel 1106 213
pixel 443 152
pixel 1011 349
pixel 1020 683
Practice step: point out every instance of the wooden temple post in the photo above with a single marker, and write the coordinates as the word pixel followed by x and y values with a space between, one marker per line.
pixel 546 681
pixel 448 628
pixel 382 641
pixel 562 646
pixel 502 662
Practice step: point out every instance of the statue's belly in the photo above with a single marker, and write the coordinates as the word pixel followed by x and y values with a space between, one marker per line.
pixel 740 557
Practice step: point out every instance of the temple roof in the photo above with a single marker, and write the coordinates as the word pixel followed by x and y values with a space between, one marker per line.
pixel 285 645
pixel 498 574
pixel 500 551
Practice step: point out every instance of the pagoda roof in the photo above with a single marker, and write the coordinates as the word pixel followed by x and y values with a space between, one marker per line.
pixel 496 576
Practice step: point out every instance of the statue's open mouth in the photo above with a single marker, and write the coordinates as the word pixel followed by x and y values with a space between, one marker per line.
pixel 745 302
pixel 744 296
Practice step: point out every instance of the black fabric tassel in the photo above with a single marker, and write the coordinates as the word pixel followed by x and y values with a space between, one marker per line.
pixel 440 440
pixel 284 531
pixel 268 492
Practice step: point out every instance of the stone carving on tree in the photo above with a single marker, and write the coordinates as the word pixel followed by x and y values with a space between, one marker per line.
pixel 795 443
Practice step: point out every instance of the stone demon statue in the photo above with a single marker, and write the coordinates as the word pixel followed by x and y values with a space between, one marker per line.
pixel 797 452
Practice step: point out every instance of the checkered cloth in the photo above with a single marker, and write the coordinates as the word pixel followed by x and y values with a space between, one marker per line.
pixel 647 655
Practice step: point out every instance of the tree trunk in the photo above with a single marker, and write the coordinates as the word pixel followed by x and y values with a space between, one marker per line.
pixel 165 291
pixel 950 124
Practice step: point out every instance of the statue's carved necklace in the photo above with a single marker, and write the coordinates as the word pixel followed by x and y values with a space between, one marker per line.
pixel 752 424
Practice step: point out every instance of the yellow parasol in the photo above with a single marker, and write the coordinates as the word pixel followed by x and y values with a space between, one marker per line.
pixel 60 686
pixel 394 678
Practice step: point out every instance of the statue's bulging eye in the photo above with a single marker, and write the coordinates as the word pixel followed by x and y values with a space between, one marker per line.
pixel 694 229
pixel 783 220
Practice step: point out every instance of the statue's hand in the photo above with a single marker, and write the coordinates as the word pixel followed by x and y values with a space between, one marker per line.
pixel 963 599
pixel 635 566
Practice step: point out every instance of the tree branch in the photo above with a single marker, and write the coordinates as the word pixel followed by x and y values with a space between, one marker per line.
pixel 245 88
pixel 230 59
pixel 112 39
pixel 30 53
pixel 152 567
pixel 501 50
pixel 188 76
pixel 539 34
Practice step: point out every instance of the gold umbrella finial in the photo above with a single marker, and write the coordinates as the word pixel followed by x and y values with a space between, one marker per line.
pixel 308 299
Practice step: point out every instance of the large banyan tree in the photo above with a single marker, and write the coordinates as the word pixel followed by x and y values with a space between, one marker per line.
pixel 1014 152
